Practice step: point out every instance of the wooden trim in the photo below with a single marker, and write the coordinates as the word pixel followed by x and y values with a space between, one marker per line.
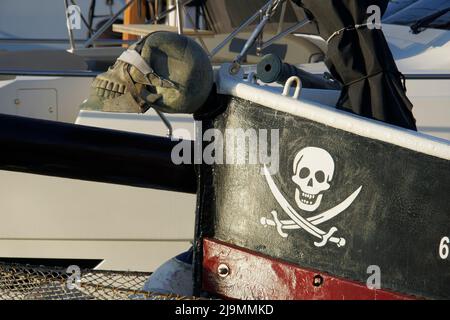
pixel 131 16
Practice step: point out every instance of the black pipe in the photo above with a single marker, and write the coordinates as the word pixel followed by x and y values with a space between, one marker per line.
pixel 272 69
pixel 93 154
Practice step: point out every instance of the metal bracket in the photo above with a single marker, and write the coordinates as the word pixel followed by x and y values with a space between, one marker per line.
pixel 166 123
pixel 288 84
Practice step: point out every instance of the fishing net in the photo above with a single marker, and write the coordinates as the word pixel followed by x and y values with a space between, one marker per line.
pixel 28 282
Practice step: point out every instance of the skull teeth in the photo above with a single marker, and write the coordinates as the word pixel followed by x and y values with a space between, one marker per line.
pixel 108 89
pixel 116 87
pixel 101 92
pixel 308 198
pixel 308 195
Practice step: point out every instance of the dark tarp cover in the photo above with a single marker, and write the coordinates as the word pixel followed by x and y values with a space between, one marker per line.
pixel 361 60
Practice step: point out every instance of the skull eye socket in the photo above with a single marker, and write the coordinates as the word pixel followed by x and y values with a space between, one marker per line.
pixel 320 176
pixel 304 172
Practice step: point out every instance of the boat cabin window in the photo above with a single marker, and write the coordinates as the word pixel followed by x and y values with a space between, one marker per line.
pixel 410 12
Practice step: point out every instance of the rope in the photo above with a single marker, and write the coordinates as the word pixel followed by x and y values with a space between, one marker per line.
pixel 352 28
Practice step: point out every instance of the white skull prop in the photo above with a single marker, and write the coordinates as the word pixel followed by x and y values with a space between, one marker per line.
pixel 313 171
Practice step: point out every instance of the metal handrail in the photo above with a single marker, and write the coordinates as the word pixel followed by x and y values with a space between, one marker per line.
pixel 199 37
pixel 89 27
pixel 104 27
pixel 166 12
pixel 265 13
pixel 258 30
pixel 179 17
pixel 284 33
pixel 166 123
pixel 69 27
pixel 245 24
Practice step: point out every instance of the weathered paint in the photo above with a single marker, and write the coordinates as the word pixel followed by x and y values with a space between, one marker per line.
pixel 386 212
pixel 254 276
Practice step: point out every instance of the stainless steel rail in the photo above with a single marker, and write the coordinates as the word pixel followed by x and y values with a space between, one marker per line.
pixel 104 27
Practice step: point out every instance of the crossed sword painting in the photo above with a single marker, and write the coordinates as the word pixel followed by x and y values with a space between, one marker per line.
pixel 308 224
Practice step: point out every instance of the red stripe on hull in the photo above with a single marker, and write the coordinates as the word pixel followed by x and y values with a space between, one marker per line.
pixel 249 275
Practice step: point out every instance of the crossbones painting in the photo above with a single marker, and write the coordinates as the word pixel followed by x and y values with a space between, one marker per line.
pixel 313 170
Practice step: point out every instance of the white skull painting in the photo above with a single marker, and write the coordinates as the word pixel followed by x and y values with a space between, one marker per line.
pixel 313 171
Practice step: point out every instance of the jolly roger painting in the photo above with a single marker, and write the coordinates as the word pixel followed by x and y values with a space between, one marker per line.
pixel 313 170
pixel 339 202
pixel 303 206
